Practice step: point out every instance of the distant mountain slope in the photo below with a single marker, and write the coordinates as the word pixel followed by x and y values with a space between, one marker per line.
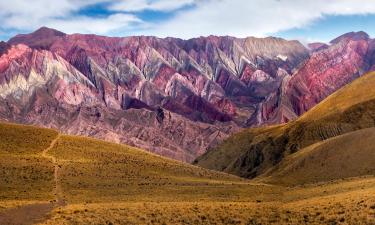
pixel 42 38
pixel 255 151
pixel 173 97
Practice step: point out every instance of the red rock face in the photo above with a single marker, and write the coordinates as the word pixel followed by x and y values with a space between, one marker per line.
pixel 208 87
pixel 326 71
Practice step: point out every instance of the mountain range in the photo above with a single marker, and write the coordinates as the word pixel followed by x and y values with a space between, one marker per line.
pixel 276 132
pixel 173 97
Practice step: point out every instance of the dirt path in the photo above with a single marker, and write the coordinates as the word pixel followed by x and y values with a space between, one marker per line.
pixel 36 213
pixel 57 190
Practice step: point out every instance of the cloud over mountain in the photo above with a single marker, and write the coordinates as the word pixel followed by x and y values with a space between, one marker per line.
pixel 178 18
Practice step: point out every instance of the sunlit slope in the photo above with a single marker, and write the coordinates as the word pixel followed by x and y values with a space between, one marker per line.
pixel 344 156
pixel 24 173
pixel 341 202
pixel 104 183
pixel 93 170
pixel 90 170
pixel 21 139
pixel 254 151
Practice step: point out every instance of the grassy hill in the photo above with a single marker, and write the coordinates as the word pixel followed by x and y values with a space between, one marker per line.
pixel 50 178
pixel 253 152
pixel 348 155
pixel 25 174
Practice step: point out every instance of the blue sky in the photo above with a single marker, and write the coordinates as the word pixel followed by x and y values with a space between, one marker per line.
pixel 307 20
pixel 329 27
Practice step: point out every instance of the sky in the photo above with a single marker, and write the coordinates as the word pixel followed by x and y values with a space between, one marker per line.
pixel 304 20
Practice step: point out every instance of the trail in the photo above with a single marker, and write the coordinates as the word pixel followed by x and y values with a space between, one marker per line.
pixel 36 213
pixel 57 190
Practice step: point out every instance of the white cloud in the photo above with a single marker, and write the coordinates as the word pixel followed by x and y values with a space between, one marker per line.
pixel 155 5
pixel 218 17
pixel 27 15
pixel 255 17
pixel 83 24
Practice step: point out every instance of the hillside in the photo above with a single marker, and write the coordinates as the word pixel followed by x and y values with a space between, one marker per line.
pixel 89 167
pixel 253 152
pixel 50 178
pixel 348 155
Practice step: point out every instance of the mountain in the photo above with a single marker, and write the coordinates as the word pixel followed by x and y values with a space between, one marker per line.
pixel 42 38
pixel 327 70
pixel 330 141
pixel 173 97
pixel 50 178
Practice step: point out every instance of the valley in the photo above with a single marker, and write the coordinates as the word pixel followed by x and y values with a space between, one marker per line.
pixel 103 183
pixel 208 130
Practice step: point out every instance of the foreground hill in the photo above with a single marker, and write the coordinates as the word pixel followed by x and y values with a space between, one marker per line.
pixel 170 96
pixel 348 155
pixel 49 178
pixel 314 144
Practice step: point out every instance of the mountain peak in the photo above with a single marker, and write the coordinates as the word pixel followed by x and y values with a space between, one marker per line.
pixel 40 39
pixel 48 31
pixel 360 35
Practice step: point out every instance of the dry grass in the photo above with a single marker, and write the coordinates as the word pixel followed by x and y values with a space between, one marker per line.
pixel 24 174
pixel 344 156
pixel 104 183
pixel 96 171
pixel 25 178
pixel 347 202
pixel 20 139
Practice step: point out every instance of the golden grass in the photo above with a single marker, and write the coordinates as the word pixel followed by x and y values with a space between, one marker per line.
pixel 348 155
pixel 25 178
pixel 104 183
pixel 346 202
pixel 96 171
pixel 20 139
pixel 24 173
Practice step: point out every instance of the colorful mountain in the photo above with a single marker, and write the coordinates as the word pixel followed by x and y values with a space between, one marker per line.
pixel 173 97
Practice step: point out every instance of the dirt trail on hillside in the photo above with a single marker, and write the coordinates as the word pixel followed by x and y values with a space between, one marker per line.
pixel 36 213
pixel 57 190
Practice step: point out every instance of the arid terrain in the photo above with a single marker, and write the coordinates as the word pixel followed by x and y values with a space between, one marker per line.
pixel 49 178
pixel 278 132
pixel 187 112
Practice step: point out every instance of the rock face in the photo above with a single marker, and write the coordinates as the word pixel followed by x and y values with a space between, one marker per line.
pixel 327 70
pixel 206 88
